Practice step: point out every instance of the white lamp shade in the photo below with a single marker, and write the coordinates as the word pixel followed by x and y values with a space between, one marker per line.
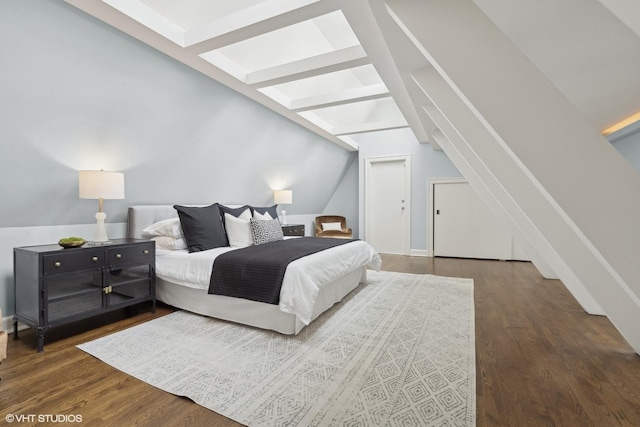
pixel 283 197
pixel 101 185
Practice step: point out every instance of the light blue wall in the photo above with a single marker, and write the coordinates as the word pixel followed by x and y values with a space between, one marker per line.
pixel 344 201
pixel 627 142
pixel 426 164
pixel 78 94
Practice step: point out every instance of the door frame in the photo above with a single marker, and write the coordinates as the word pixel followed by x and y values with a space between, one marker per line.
pixel 369 162
pixel 431 200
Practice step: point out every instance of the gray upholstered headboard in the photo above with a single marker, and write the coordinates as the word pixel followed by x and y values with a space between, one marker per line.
pixel 140 217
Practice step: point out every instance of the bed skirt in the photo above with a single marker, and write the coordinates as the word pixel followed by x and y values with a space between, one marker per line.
pixel 258 314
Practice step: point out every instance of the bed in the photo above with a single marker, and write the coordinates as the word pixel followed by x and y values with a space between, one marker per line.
pixel 311 284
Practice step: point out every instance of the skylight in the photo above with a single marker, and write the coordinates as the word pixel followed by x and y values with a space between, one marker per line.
pixel 300 58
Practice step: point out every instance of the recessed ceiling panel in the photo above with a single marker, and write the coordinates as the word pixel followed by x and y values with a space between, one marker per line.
pixel 289 44
pixel 384 113
pixel 190 14
pixel 188 22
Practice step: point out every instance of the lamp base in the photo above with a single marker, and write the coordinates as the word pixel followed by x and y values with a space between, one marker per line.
pixel 284 217
pixel 100 235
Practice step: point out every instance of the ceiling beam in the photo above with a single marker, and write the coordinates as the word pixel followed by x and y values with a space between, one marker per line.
pixel 370 21
pixel 337 60
pixel 348 96
pixel 301 14
pixel 369 127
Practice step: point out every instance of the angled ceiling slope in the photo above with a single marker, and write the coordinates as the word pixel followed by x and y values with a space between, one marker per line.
pixel 314 62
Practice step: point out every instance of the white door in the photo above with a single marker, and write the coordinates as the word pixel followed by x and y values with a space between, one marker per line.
pixel 387 216
pixel 463 226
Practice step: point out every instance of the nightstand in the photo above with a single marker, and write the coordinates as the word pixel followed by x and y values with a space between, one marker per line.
pixel 56 286
pixel 293 229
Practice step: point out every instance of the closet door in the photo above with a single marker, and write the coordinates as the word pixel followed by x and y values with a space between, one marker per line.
pixel 464 227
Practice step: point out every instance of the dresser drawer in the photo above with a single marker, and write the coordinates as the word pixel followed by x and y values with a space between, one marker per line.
pixel 72 260
pixel 129 254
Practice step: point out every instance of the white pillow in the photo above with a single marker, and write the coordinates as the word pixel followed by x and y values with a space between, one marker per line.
pixel 331 226
pixel 238 231
pixel 167 227
pixel 246 214
pixel 262 217
pixel 171 243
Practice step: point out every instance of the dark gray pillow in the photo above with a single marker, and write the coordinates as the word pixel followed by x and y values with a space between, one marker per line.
pixel 265 231
pixel 273 210
pixel 202 227
pixel 232 211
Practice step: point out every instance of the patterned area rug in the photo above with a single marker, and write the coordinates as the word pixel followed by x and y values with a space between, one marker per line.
pixel 397 351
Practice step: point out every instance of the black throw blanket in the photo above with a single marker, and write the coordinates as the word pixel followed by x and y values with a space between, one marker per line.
pixel 256 272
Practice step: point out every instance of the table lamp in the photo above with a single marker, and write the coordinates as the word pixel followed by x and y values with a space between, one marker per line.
pixel 283 197
pixel 100 185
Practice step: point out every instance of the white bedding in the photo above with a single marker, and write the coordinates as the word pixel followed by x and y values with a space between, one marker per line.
pixel 303 278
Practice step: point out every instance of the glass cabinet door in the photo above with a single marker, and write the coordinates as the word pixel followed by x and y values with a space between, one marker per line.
pixel 128 283
pixel 72 294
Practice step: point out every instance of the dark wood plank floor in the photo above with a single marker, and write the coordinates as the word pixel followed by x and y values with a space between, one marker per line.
pixel 541 361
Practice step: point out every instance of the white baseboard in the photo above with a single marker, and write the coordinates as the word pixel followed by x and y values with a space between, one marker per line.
pixel 7 325
pixel 419 252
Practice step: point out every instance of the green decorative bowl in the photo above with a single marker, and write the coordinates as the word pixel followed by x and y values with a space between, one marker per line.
pixel 72 242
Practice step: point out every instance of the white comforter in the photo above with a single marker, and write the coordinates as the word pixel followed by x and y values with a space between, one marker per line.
pixel 303 278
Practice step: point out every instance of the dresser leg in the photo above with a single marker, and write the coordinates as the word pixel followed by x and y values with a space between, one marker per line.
pixel 41 332
pixel 15 328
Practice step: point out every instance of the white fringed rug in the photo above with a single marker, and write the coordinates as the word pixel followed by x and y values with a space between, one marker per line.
pixel 397 351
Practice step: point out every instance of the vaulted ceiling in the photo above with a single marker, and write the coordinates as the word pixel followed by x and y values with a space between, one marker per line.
pixel 326 65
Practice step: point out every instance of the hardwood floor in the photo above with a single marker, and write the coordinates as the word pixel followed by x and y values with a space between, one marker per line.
pixel 541 361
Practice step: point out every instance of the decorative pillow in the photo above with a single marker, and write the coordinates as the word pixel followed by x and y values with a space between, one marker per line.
pixel 167 227
pixel 202 227
pixel 331 226
pixel 238 231
pixel 266 231
pixel 170 243
pixel 273 210
pixel 262 217
pixel 243 212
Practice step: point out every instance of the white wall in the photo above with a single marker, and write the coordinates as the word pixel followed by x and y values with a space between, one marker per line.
pixel 344 200
pixel 531 154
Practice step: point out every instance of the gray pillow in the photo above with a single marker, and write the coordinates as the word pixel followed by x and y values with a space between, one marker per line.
pixel 266 231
